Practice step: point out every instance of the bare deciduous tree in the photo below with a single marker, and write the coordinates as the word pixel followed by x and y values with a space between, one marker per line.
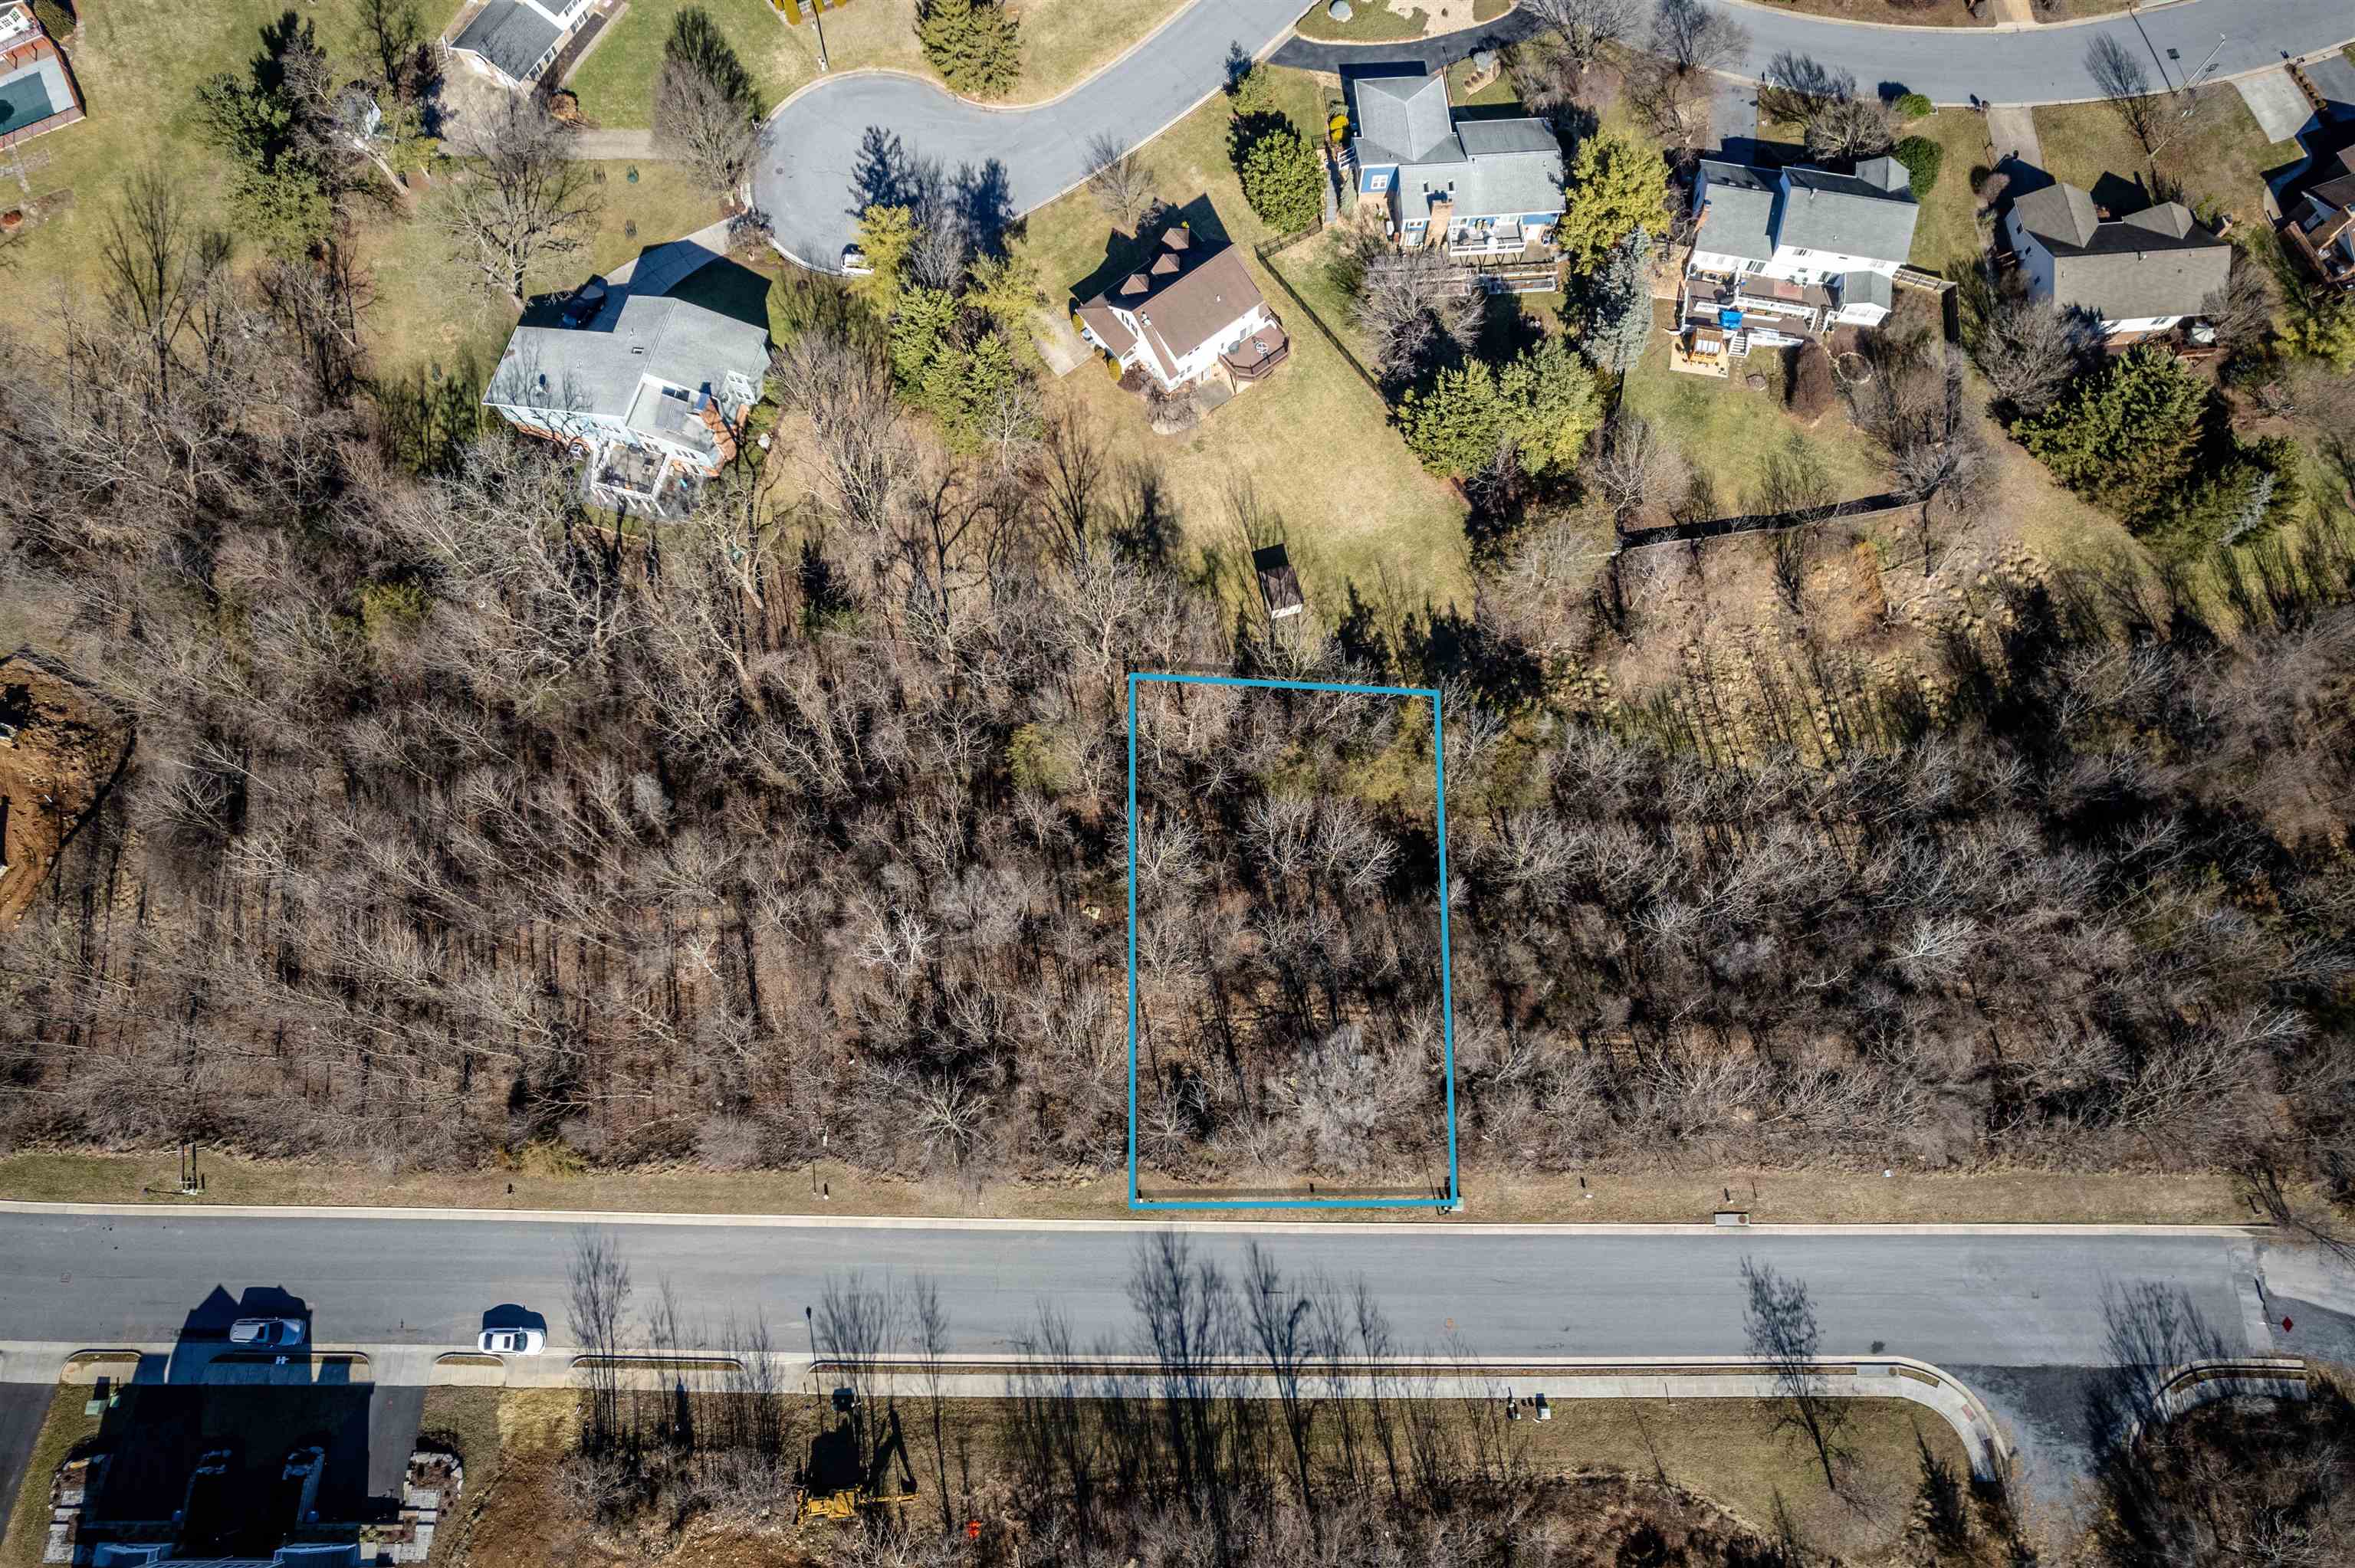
pixel 1695 39
pixel 2028 351
pixel 1588 27
pixel 524 201
pixel 1122 182
pixel 1779 1322
pixel 704 126
pixel 2155 118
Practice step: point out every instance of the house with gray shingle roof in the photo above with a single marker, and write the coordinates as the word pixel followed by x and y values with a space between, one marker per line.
pixel 650 387
pixel 517 40
pixel 1486 187
pixel 2141 273
pixel 1783 251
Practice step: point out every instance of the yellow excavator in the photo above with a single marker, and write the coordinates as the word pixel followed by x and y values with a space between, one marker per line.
pixel 838 1485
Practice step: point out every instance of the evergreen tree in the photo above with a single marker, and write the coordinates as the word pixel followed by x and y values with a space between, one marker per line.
pixel 1456 424
pixel 1549 404
pixel 886 234
pixel 1283 179
pixel 975 45
pixel 2126 437
pixel 1617 185
pixel 1545 402
pixel 1617 307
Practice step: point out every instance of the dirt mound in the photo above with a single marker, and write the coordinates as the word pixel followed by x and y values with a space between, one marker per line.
pixel 58 752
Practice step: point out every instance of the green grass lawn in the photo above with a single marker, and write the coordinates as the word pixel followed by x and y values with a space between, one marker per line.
pixel 1498 92
pixel 1313 440
pixel 1727 431
pixel 2221 163
pixel 616 83
pixel 434 332
pixel 138 63
pixel 1948 231
pixel 1063 43
pixel 1371 22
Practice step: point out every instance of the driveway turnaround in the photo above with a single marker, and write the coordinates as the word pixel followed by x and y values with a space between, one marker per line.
pixel 855 139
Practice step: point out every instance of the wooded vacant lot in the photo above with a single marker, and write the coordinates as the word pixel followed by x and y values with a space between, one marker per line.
pixel 460 823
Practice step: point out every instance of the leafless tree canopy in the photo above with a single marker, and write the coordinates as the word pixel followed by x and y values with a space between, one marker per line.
pixel 704 126
pixel 461 828
pixel 2155 118
pixel 1121 182
pixel 1589 26
pixel 525 204
pixel 2028 349
pixel 1694 38
pixel 1823 101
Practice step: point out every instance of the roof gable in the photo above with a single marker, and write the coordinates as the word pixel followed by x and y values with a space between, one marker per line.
pixel 1847 214
pixel 1403 119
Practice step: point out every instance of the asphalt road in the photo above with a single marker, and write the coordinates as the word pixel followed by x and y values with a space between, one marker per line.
pixel 860 138
pixel 1990 1299
pixel 827 145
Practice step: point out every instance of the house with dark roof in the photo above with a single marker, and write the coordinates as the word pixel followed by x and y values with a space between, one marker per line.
pixel 2141 273
pixel 1189 310
pixel 517 40
pixel 652 388
pixel 1484 188
pixel 2320 228
pixel 37 91
pixel 1781 253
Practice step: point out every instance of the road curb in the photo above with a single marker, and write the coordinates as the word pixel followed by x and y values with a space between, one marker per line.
pixel 1140 1225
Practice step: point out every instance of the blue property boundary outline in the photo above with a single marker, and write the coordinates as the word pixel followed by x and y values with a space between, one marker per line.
pixel 1454 1196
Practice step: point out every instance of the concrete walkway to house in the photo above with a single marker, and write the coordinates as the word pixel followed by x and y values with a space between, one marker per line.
pixel 612 146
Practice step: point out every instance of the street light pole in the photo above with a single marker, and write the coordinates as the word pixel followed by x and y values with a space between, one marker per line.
pixel 2209 60
pixel 817 19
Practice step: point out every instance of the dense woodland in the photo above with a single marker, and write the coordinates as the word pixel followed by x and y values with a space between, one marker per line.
pixel 460 822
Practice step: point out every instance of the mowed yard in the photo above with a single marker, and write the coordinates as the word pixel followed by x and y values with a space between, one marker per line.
pixel 1063 43
pixel 139 63
pixel 1313 443
pixel 2221 163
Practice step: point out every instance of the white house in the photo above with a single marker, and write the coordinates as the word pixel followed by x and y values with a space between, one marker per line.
pixel 1490 187
pixel 1190 311
pixel 516 40
pixel 651 390
pixel 2141 273
pixel 1800 248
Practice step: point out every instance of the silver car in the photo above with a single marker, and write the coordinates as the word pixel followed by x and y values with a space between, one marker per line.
pixel 266 1333
pixel 512 1341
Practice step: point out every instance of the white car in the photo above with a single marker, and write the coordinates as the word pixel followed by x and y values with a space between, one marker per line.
pixel 266 1333
pixel 512 1341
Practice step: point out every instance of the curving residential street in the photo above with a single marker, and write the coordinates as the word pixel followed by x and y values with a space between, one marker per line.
pixel 839 144
pixel 844 142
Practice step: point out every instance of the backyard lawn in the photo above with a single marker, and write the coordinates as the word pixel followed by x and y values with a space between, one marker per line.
pixel 138 63
pixel 1312 442
pixel 424 309
pixel 2221 163
pixel 1063 43
pixel 1948 231
pixel 1727 431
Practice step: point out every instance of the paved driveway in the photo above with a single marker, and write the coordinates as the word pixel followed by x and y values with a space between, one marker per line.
pixel 868 136
pixel 23 1406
